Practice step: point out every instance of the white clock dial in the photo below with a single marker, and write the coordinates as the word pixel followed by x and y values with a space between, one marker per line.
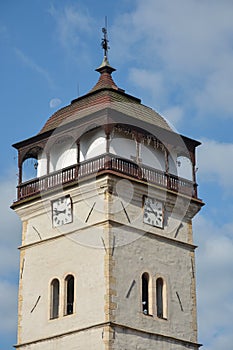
pixel 153 212
pixel 62 211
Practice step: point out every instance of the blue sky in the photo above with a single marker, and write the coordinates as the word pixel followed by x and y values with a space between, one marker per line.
pixel 177 56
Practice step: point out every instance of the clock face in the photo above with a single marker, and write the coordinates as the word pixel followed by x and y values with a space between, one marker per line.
pixel 62 211
pixel 153 212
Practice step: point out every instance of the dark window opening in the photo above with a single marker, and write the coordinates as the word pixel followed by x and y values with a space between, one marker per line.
pixel 69 295
pixel 54 299
pixel 159 297
pixel 145 293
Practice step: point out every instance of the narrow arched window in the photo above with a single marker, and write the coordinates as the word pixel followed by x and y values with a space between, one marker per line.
pixel 54 297
pixel 145 293
pixel 69 302
pixel 160 297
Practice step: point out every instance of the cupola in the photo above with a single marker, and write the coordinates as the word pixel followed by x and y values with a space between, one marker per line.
pixel 106 129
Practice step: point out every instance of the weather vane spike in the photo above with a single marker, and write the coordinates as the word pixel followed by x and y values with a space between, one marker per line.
pixel 104 42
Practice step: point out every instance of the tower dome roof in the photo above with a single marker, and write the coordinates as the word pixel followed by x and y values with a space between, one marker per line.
pixel 105 94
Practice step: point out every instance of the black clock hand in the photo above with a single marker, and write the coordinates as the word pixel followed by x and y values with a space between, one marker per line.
pixel 152 209
pixel 148 211
pixel 56 211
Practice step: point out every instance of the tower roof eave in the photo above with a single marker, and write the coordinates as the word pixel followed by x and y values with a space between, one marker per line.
pixel 119 114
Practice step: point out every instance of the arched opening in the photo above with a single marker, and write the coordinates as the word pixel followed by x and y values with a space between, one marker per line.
pixel 69 295
pixel 152 157
pixel 123 146
pixel 161 298
pixel 54 298
pixel 29 169
pixel 42 164
pixel 29 166
pixel 92 144
pixel 184 167
pixel 97 147
pixel 172 163
pixel 63 154
pixel 146 294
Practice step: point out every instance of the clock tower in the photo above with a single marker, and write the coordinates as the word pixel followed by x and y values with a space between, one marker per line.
pixel 107 255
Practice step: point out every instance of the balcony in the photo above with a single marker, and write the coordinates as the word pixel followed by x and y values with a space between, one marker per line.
pixel 106 163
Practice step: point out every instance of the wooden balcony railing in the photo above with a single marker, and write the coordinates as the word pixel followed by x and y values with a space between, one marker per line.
pixel 106 163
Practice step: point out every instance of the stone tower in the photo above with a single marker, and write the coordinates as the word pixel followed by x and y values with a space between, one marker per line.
pixel 107 254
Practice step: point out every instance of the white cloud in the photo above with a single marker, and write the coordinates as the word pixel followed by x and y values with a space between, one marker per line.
pixel 174 115
pixel 153 81
pixel 55 102
pixel 10 236
pixel 73 23
pixel 189 45
pixel 34 66
pixel 214 163
pixel 10 223
pixel 187 35
pixel 10 233
pixel 8 307
pixel 214 282
pixel 217 92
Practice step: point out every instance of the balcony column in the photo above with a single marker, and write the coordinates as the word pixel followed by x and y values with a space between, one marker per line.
pixel 166 154
pixel 20 170
pixel 78 150
pixel 19 175
pixel 138 139
pixel 48 162
pixel 138 160
pixel 46 182
pixel 137 151
pixel 78 158
pixel 107 137
pixel 168 179
pixel 108 128
pixel 193 160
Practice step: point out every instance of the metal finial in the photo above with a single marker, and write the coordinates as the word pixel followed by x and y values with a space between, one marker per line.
pixel 105 40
